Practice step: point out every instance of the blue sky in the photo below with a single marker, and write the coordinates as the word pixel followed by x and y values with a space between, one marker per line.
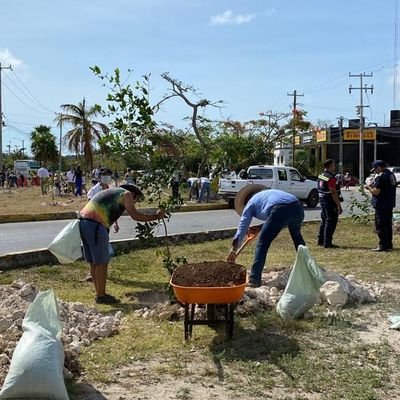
pixel 250 54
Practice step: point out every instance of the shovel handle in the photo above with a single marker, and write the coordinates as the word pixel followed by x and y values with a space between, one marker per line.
pixel 249 238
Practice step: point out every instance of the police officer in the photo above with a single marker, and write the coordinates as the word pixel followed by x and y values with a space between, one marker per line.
pixel 329 199
pixel 383 191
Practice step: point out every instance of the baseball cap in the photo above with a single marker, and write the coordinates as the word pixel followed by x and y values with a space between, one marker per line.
pixel 378 163
pixel 133 189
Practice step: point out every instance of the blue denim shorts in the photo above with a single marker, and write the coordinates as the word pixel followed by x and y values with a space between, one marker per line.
pixel 95 241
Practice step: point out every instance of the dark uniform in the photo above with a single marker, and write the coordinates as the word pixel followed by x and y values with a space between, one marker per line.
pixel 383 204
pixel 329 209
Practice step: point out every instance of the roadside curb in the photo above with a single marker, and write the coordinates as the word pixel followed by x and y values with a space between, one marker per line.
pixel 44 256
pixel 13 218
pixel 32 258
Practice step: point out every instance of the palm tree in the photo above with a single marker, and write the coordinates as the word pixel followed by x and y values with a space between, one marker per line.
pixel 43 144
pixel 85 132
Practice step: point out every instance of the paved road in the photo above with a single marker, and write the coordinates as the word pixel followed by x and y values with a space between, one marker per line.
pixel 23 236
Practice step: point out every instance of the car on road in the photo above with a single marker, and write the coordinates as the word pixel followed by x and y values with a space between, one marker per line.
pixel 396 171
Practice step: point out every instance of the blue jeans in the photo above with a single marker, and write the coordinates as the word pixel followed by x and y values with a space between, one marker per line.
pixel 282 215
pixel 329 220
pixel 205 188
pixel 78 183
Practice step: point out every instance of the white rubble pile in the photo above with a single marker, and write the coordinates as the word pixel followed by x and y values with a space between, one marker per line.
pixel 81 324
pixel 337 291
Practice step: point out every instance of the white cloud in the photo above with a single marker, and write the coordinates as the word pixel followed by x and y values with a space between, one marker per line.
pixel 229 18
pixel 7 58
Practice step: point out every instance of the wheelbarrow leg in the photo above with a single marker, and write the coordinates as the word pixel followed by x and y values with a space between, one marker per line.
pixel 191 319
pixel 230 321
pixel 211 312
pixel 186 322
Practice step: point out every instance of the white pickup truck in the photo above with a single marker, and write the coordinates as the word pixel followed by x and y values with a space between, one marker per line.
pixel 273 177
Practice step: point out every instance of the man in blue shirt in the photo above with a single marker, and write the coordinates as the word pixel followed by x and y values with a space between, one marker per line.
pixel 383 191
pixel 278 209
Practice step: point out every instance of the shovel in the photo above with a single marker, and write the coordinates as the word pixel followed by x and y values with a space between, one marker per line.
pixel 250 236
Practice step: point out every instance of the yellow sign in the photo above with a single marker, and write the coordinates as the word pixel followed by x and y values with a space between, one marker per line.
pixel 321 136
pixel 297 140
pixel 354 134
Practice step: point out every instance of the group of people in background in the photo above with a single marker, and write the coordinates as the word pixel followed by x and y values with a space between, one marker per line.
pixel 383 200
pixel 280 209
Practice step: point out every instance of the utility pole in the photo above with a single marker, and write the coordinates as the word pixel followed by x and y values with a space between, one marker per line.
pixel 294 94
pixel 9 149
pixel 1 121
pixel 59 160
pixel 362 89
pixel 22 148
pixel 340 124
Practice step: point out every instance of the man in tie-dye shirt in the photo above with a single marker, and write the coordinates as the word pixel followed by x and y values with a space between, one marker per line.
pixel 95 220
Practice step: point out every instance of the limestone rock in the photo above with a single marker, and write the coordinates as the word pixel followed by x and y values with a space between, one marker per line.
pixel 334 293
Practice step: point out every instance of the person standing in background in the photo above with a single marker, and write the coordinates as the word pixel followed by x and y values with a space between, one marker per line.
pixel 96 175
pixel 78 181
pixel 383 191
pixel 328 189
pixel 71 180
pixel 43 175
pixel 347 180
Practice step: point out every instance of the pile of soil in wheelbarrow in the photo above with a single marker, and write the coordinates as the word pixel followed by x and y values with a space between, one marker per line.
pixel 209 274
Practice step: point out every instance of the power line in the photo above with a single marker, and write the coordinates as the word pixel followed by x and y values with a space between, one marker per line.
pixel 32 96
pixel 23 102
pixel 19 130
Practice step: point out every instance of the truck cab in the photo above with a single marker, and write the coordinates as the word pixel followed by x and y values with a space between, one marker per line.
pixel 287 179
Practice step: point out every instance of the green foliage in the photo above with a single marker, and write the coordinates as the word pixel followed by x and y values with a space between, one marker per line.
pixel 239 151
pixel 360 210
pixel 144 231
pixel 43 144
pixel 130 110
pixel 9 159
pixel 133 134
pixel 301 162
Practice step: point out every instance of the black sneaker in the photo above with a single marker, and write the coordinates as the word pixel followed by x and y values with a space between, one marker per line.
pixel 331 246
pixel 107 299
pixel 252 284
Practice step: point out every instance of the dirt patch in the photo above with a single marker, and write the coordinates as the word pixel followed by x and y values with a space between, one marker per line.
pixel 209 274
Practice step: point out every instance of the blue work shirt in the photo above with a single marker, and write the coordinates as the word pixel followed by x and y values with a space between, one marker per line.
pixel 259 206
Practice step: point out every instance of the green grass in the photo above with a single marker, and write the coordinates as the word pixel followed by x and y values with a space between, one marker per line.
pixel 324 360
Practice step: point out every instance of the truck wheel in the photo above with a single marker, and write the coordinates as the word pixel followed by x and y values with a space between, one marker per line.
pixel 312 199
pixel 231 203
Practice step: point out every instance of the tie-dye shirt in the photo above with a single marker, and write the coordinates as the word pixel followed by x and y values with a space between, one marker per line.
pixel 106 206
